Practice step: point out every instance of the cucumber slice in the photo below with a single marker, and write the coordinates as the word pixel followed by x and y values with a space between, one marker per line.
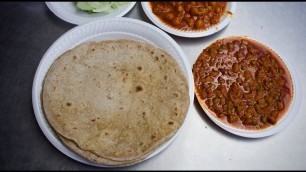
pixel 95 5
pixel 104 7
pixel 84 6
pixel 98 7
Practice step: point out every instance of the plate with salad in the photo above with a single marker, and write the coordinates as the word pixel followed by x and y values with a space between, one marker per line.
pixel 83 12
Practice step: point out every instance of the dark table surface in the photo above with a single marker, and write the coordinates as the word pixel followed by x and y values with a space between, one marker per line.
pixel 28 29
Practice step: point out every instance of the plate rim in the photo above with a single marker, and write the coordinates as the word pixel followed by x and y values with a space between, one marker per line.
pixel 191 34
pixel 50 5
pixel 285 121
pixel 37 88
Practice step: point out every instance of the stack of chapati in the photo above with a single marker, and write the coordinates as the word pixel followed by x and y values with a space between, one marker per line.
pixel 114 102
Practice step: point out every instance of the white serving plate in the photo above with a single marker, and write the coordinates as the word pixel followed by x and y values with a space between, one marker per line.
pixel 105 29
pixel 225 20
pixel 68 12
pixel 283 122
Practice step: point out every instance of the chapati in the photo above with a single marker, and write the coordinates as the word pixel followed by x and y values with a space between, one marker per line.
pixel 117 99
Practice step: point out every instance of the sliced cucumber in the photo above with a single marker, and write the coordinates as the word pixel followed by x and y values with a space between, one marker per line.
pixel 104 6
pixel 84 6
pixel 99 7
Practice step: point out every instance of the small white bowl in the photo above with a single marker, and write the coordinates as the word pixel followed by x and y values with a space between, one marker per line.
pixel 68 12
pixel 225 19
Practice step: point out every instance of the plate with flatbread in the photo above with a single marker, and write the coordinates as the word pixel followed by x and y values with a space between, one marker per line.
pixel 113 92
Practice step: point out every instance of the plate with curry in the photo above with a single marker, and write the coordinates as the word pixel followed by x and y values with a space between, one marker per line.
pixel 245 87
pixel 190 19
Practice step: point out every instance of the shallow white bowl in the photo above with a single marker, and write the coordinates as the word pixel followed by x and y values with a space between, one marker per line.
pixel 283 122
pixel 225 20
pixel 68 12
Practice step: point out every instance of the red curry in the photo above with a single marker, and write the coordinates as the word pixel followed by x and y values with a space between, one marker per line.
pixel 189 15
pixel 243 83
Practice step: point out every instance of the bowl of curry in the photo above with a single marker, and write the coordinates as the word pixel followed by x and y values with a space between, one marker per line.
pixel 190 19
pixel 244 86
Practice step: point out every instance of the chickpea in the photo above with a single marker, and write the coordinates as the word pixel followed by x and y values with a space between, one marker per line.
pixel 166 9
pixel 247 121
pixel 187 14
pixel 232 118
pixel 213 4
pixel 156 10
pixel 217 10
pixel 240 55
pixel 272 120
pixel 246 88
pixel 263 119
pixel 176 21
pixel 221 80
pixel 213 20
pixel 187 7
pixel 216 100
pixel 230 46
pixel 269 100
pixel 239 80
pixel 194 11
pixel 243 66
pixel 180 8
pixel 189 21
pixel 202 11
pixel 210 9
pixel 249 56
pixel 183 24
pixel 206 17
pixel 254 122
pixel 199 23
pixel 169 16
pixel 235 67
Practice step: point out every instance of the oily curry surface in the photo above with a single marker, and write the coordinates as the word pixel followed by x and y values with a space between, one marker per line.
pixel 189 15
pixel 243 83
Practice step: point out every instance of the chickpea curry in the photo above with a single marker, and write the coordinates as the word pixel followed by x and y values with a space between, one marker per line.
pixel 189 15
pixel 244 83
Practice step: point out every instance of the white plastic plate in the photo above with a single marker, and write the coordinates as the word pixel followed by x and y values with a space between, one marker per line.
pixel 68 12
pixel 226 18
pixel 105 29
pixel 284 121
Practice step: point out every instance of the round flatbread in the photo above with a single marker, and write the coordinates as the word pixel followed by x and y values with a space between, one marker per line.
pixel 118 99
